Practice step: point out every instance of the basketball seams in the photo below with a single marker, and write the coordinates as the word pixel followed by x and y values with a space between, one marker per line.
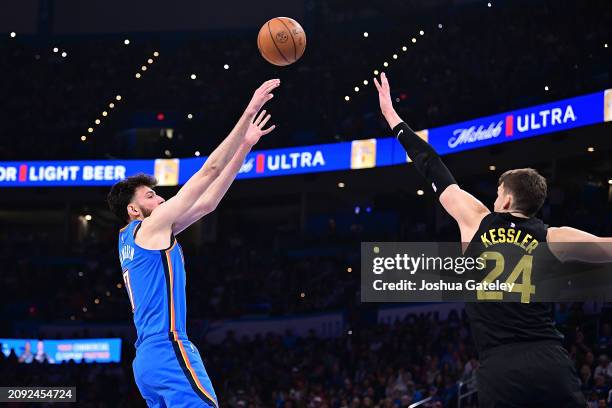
pixel 292 38
pixel 275 45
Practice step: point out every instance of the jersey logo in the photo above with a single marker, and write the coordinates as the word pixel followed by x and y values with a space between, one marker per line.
pixel 127 253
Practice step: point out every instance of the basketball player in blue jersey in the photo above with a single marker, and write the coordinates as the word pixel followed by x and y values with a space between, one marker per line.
pixel 168 369
pixel 522 361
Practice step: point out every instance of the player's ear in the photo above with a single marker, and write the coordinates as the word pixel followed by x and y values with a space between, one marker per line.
pixel 507 203
pixel 133 210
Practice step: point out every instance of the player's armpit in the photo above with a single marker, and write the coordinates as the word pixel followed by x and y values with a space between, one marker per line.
pixel 466 209
pixel 571 244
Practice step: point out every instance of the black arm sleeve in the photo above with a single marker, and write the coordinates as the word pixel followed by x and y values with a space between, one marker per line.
pixel 425 158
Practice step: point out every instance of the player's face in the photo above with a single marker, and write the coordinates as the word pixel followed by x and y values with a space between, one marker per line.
pixel 503 200
pixel 40 347
pixel 146 201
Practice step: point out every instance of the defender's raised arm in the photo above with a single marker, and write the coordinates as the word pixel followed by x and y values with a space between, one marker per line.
pixel 462 206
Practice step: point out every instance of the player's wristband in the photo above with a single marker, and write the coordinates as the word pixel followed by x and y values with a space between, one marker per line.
pixel 425 158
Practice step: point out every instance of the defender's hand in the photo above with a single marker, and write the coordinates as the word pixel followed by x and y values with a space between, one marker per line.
pixel 262 95
pixel 384 94
pixel 256 130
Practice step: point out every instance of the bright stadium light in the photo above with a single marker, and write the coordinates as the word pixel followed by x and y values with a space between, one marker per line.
pixel 55 49
pixel 97 121
pixel 90 130
pixel 404 48
pixel 590 149
pixel 365 34
pixel 413 40
pixel 356 89
pixel 340 185
pixel 375 72
pixel 13 34
pixel 610 181
pixel 440 26
pixel 394 56
pixel 150 60
pixel 422 32
pixel 193 76
pixel 144 67
pixel 156 54
pixel 347 98
pixel 385 64
pixel 226 66
pixel 83 138
pixel 197 153
pixel 105 113
pixel 546 88
pixel 365 81
pixel 349 269
pixel 420 192
pixel 189 116
pixel 88 217
pixel 492 168
pixel 167 152
pixel 111 105
pixel 64 54
pixel 126 41
pixel 118 97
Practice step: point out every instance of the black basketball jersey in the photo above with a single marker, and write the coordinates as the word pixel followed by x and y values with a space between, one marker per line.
pixel 516 251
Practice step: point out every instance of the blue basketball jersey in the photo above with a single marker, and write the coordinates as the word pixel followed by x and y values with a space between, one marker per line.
pixel 155 282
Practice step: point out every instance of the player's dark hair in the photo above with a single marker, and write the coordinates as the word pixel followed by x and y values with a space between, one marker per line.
pixel 528 188
pixel 122 193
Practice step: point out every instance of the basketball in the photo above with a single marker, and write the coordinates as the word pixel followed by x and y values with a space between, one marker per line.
pixel 281 41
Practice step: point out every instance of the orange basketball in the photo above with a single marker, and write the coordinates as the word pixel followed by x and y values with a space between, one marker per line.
pixel 281 41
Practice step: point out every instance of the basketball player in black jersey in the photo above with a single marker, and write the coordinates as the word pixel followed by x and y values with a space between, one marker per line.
pixel 522 361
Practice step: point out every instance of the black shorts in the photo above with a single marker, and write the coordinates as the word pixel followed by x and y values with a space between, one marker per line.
pixel 523 375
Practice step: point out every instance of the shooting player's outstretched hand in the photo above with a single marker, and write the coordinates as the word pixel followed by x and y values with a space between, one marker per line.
pixel 262 95
pixel 256 129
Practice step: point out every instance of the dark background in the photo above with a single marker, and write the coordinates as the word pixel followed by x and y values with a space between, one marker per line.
pixel 272 240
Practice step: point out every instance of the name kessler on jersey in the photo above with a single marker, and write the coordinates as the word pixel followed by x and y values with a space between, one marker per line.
pixel 503 235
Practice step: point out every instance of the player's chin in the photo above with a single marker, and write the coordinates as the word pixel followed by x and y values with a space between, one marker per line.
pixel 147 212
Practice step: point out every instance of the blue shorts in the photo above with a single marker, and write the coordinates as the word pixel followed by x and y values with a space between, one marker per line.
pixel 170 373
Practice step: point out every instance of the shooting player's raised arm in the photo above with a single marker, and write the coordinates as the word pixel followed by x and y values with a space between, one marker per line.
pixel 165 216
pixel 208 202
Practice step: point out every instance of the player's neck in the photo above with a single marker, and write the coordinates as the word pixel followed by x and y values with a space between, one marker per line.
pixel 515 213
